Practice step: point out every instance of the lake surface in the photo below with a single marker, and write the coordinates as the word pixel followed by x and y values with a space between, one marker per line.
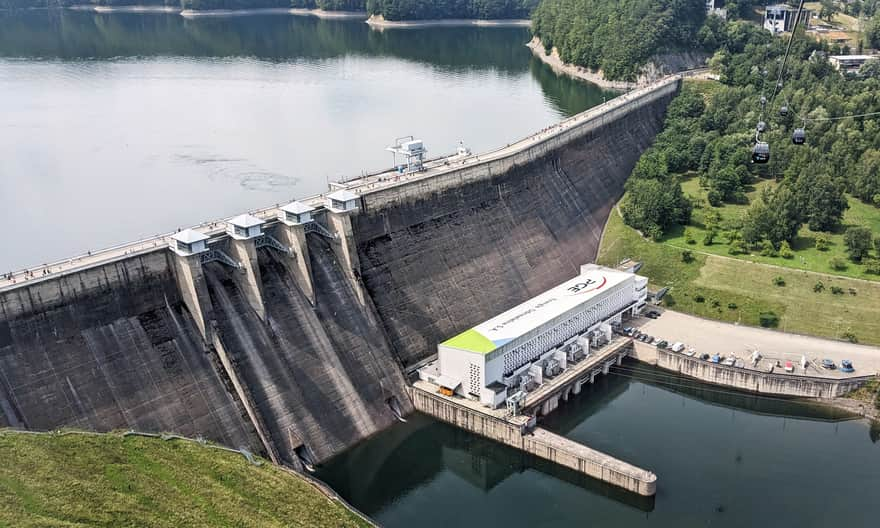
pixel 120 126
pixel 722 459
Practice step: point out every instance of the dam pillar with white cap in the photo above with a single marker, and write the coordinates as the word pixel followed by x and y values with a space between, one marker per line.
pixel 340 205
pixel 294 218
pixel 243 231
pixel 188 246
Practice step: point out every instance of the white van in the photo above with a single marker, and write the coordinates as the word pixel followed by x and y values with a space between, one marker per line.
pixel 677 346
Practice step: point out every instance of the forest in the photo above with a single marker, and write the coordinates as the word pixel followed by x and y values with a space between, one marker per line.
pixel 618 37
pixel 711 127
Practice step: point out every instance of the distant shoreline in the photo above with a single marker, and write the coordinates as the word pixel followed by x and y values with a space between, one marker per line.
pixel 379 22
pixel 193 13
pixel 375 21
pixel 320 13
pixel 130 9
pixel 555 62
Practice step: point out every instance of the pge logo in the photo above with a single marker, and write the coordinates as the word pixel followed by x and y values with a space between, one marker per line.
pixel 586 285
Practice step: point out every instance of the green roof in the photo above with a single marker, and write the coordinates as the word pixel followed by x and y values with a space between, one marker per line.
pixel 472 341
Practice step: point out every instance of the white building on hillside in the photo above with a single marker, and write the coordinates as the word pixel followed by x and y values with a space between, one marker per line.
pixel 716 7
pixel 850 63
pixel 494 356
pixel 780 18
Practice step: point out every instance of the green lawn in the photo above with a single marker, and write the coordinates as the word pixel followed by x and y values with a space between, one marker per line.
pixel 806 256
pixel 738 290
pixel 108 480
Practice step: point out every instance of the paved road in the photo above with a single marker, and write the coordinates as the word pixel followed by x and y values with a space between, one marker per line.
pixel 364 185
pixel 729 339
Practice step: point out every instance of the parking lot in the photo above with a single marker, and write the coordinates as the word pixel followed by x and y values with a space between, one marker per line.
pixel 711 337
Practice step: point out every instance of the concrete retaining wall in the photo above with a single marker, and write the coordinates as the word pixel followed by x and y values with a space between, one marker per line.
pixel 539 442
pixel 763 382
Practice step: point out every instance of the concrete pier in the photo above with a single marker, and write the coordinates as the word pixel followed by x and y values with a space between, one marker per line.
pixel 519 432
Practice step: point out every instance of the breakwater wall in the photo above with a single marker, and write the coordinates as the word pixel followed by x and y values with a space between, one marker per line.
pixel 292 343
pixel 757 381
pixel 441 254
pixel 521 434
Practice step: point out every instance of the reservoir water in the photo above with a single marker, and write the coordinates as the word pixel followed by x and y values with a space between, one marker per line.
pixel 722 459
pixel 120 126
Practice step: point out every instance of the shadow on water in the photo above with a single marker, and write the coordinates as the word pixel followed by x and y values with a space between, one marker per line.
pixel 399 460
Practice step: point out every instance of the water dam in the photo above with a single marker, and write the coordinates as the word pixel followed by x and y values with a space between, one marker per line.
pixel 293 340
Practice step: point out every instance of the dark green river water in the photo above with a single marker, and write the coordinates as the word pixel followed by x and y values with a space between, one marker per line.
pixel 722 459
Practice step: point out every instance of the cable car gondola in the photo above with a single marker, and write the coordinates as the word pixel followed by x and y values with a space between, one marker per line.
pixel 783 111
pixel 799 136
pixel 762 126
pixel 761 152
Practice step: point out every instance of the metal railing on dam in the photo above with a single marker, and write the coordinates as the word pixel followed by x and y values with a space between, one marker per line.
pixel 379 188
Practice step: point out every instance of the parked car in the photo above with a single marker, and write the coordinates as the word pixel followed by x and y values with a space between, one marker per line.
pixel 828 364
pixel 846 366
pixel 662 344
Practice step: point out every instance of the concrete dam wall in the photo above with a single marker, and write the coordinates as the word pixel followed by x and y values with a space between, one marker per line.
pixel 291 342
pixel 109 348
pixel 442 255
pixel 319 376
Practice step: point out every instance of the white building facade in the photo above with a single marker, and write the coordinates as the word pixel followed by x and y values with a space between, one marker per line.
pixel 489 360
pixel 780 18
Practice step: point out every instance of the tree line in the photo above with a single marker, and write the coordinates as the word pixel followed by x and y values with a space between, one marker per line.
pixel 618 37
pixel 708 134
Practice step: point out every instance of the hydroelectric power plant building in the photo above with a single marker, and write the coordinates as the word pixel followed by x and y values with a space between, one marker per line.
pixel 516 349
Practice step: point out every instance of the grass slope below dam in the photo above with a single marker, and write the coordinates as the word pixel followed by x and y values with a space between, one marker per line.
pixel 111 480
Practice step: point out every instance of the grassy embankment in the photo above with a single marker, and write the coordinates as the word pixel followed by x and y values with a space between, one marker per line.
pixel 738 290
pixel 108 480
pixel 806 256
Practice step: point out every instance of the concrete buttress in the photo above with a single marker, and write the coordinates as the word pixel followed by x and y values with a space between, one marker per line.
pixel 346 250
pixel 298 264
pixel 194 292
pixel 248 277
